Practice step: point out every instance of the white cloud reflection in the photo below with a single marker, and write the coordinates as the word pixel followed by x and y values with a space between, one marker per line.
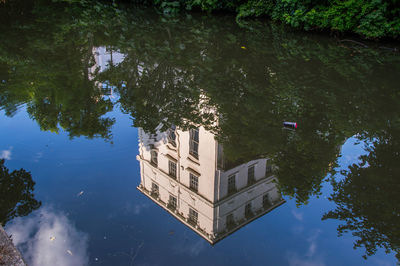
pixel 297 260
pixel 49 238
pixel 297 215
pixel 6 154
pixel 37 157
pixel 312 240
pixel 311 257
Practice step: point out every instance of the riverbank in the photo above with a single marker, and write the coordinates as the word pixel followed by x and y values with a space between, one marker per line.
pixel 9 254
pixel 368 19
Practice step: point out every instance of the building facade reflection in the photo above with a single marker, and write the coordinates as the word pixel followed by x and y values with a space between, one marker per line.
pixel 184 172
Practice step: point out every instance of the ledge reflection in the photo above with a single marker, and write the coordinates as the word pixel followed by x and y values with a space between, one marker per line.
pixel 185 173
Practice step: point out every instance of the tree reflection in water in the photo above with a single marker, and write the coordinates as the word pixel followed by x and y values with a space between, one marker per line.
pixel 16 190
pixel 181 66
pixel 367 197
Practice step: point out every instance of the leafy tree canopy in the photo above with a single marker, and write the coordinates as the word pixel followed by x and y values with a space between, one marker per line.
pixel 16 189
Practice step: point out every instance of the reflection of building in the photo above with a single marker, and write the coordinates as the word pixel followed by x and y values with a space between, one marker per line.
pixel 104 58
pixel 182 172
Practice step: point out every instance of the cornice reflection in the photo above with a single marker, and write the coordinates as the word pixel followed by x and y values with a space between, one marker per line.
pixel 185 173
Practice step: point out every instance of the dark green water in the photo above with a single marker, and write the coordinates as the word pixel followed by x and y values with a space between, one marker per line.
pixel 76 83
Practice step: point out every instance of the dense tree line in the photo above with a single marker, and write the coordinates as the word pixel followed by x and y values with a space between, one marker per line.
pixel 371 19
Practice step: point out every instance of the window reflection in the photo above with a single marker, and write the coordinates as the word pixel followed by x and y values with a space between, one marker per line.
pixel 212 200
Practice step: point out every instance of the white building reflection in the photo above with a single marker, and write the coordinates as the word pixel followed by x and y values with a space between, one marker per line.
pixel 184 173
pixel 104 58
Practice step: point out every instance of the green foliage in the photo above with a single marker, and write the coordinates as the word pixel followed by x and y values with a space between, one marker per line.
pixel 255 8
pixel 367 198
pixel 168 7
pixel 51 74
pixel 369 18
pixel 16 190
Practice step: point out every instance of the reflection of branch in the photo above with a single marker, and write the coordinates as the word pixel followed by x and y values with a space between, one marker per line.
pixel 130 255
pixel 137 252
pixel 169 33
pixel 347 40
pixel 388 48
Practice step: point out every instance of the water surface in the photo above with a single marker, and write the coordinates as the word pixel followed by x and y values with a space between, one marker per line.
pixel 78 84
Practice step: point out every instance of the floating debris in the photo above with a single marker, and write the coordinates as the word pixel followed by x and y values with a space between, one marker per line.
pixel 243 47
pixel 52 238
pixel 290 124
pixel 69 252
pixel 80 194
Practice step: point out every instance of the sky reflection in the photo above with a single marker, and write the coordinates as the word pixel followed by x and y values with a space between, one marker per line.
pixel 48 237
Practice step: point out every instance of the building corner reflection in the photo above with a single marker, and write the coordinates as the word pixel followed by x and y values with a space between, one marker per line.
pixel 184 172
